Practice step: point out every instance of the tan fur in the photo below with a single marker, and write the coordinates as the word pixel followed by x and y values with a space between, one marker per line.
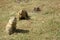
pixel 11 26
pixel 18 15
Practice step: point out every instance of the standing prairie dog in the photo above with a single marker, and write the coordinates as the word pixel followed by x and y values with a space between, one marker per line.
pixel 11 25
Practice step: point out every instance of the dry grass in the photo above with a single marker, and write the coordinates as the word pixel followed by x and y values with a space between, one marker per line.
pixel 43 25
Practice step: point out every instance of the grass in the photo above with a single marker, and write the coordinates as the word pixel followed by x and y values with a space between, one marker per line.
pixel 43 25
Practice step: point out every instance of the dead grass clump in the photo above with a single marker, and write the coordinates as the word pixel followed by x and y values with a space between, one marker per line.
pixel 37 9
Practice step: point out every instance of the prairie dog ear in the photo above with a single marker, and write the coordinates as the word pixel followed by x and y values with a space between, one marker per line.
pixel 19 12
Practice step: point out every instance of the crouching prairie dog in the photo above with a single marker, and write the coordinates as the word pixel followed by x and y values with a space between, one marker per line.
pixel 11 25
pixel 22 14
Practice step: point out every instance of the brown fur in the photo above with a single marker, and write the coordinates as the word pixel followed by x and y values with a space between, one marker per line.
pixel 22 14
pixel 37 9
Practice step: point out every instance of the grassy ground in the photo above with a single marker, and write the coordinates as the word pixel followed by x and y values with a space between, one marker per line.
pixel 43 25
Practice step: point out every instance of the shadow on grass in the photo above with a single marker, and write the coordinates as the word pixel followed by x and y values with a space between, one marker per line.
pixel 21 31
pixel 23 18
